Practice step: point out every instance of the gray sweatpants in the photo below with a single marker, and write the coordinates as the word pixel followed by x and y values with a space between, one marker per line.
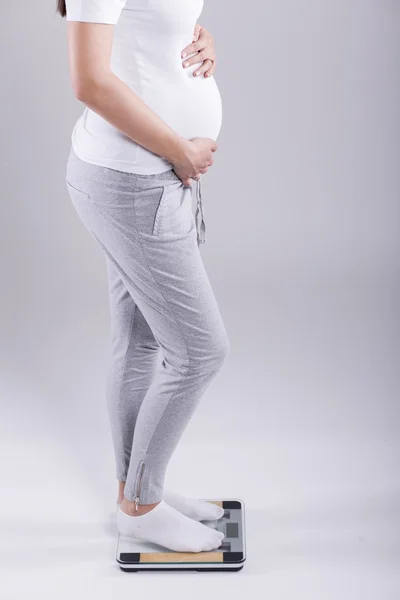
pixel 160 299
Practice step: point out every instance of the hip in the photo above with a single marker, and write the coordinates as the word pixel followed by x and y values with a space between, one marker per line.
pixel 155 207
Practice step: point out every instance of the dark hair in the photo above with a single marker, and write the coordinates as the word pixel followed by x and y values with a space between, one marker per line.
pixel 61 8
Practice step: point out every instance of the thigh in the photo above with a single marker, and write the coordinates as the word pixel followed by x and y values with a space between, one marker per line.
pixel 146 228
pixel 128 325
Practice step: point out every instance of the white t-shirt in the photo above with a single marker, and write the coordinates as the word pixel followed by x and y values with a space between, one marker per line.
pixel 149 36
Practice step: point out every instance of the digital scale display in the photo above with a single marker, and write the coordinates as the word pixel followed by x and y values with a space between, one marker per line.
pixel 232 530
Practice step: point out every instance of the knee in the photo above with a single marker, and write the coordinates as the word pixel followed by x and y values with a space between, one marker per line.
pixel 214 356
pixel 222 351
pixel 200 360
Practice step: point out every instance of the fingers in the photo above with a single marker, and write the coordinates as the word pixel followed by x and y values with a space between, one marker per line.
pixel 197 58
pixel 187 181
pixel 205 68
pixel 211 70
pixel 213 143
pixel 193 47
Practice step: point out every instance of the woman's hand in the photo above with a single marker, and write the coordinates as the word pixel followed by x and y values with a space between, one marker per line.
pixel 195 156
pixel 203 44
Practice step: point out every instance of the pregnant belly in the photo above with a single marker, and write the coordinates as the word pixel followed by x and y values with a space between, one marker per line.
pixel 190 105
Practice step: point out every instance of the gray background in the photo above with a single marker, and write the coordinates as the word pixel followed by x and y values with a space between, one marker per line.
pixel 302 211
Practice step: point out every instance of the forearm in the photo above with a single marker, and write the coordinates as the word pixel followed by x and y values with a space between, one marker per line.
pixel 118 104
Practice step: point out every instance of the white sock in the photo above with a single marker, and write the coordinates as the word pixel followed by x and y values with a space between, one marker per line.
pixel 166 526
pixel 200 510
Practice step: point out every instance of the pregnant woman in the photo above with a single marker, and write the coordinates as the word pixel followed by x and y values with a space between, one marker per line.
pixel 149 128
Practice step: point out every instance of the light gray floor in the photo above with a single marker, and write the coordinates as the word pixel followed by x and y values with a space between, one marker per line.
pixel 311 446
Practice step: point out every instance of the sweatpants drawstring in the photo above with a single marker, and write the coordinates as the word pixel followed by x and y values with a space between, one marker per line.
pixel 199 216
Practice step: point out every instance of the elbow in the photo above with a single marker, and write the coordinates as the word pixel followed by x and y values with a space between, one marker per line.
pixel 80 91
pixel 87 89
pixel 83 89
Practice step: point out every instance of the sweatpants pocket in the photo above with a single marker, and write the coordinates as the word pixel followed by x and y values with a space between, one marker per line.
pixel 174 211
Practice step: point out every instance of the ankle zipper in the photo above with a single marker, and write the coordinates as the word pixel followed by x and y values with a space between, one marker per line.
pixel 137 498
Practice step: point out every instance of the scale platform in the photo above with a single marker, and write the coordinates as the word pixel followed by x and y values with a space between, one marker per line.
pixel 137 555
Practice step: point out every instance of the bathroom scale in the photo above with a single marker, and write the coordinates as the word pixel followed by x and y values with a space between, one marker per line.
pixel 138 555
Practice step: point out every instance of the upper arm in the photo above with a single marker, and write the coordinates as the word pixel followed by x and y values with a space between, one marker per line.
pixel 90 35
